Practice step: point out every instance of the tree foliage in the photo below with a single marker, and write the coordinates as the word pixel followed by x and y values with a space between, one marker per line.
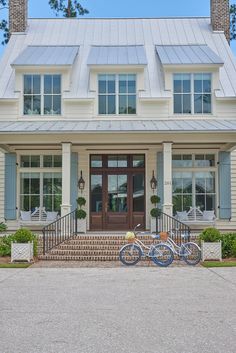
pixel 68 8
pixel 233 21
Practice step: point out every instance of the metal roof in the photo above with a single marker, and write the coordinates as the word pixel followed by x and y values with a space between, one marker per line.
pixel 117 55
pixel 46 56
pixel 108 126
pixel 187 55
pixel 86 33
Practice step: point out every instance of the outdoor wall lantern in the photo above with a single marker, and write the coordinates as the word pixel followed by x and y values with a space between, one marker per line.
pixel 81 182
pixel 153 181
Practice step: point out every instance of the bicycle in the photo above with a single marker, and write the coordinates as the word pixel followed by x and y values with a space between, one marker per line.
pixel 161 254
pixel 190 252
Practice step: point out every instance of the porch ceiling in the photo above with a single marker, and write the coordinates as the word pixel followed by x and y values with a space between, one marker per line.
pixel 119 126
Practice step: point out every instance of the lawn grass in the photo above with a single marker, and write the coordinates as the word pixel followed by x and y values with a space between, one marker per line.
pixel 14 265
pixel 209 264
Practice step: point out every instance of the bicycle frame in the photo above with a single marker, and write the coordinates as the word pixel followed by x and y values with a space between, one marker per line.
pixel 179 250
pixel 144 247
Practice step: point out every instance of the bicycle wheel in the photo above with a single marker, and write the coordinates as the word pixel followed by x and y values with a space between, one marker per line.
pixel 162 255
pixel 130 254
pixel 191 253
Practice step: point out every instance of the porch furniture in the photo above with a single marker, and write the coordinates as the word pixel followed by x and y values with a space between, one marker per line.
pixel 40 215
pixel 196 216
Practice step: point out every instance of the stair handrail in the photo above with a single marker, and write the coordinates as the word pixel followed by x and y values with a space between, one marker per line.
pixel 60 230
pixel 175 228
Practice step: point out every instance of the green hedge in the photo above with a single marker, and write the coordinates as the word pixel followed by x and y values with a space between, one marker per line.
pixel 22 235
pixel 228 241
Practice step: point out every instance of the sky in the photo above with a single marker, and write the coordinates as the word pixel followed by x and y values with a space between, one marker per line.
pixel 130 8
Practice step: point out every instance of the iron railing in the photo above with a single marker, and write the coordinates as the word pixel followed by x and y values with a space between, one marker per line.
pixel 175 228
pixel 62 229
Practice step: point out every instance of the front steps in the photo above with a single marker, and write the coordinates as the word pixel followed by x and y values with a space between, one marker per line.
pixel 90 248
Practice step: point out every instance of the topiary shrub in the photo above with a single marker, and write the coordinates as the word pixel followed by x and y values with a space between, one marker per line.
pixel 81 214
pixel 155 212
pixel 81 201
pixel 155 199
pixel 210 235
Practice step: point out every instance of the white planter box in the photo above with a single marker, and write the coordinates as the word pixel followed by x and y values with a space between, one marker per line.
pixel 81 225
pixel 211 251
pixel 22 252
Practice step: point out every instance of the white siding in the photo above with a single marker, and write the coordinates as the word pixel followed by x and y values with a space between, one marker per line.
pixel 2 179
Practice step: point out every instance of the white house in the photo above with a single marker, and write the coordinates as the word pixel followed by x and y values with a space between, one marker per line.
pixel 118 101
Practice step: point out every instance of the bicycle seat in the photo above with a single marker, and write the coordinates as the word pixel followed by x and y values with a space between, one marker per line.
pixel 155 236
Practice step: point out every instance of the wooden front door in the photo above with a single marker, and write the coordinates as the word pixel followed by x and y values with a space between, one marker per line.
pixel 117 193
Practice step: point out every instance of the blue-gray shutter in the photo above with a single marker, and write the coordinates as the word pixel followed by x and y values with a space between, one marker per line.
pixel 160 178
pixel 10 186
pixel 224 185
pixel 74 180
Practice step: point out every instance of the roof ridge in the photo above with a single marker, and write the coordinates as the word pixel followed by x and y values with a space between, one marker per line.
pixel 119 18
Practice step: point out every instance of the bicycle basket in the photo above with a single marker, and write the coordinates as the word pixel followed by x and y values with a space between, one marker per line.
pixel 163 236
pixel 130 236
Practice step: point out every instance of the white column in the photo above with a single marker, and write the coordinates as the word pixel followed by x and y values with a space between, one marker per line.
pixel 66 171
pixel 167 166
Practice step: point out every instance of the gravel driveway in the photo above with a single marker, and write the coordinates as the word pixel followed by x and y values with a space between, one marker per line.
pixel 118 310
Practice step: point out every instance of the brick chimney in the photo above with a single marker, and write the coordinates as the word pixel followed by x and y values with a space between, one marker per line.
pixel 18 15
pixel 220 18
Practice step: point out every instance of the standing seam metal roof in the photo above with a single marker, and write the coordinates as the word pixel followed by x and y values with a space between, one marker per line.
pixel 117 55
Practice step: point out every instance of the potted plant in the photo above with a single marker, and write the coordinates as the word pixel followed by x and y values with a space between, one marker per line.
pixel 23 245
pixel 211 244
pixel 81 215
pixel 155 212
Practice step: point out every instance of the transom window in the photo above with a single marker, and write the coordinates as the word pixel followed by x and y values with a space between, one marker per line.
pixel 42 94
pixel 194 179
pixel 117 94
pixel 40 182
pixel 117 161
pixel 192 93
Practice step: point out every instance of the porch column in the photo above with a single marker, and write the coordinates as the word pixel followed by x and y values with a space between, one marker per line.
pixel 167 176
pixel 66 178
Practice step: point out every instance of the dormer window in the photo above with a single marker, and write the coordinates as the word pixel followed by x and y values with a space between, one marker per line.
pixel 192 93
pixel 42 94
pixel 117 94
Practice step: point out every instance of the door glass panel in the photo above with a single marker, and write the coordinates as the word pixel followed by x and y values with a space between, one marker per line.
pixel 117 193
pixel 138 193
pixel 96 193
pixel 96 161
pixel 117 161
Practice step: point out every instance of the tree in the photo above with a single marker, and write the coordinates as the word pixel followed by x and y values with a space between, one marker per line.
pixel 68 8
pixel 233 22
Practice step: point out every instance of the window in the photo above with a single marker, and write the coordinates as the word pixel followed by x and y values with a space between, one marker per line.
pixel 192 93
pixel 42 94
pixel 40 182
pixel 194 182
pixel 117 94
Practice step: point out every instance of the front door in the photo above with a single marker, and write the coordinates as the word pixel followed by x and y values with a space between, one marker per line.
pixel 117 193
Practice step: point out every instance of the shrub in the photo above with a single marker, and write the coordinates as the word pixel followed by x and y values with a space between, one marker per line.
pixel 155 212
pixel 228 245
pixel 3 227
pixel 155 199
pixel 21 236
pixel 81 214
pixel 81 201
pixel 210 235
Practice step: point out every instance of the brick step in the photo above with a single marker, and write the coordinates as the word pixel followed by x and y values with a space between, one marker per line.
pixel 84 252
pixel 101 242
pixel 78 258
pixel 88 247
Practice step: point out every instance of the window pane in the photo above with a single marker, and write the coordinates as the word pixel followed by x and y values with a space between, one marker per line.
pixel 28 84
pixel 56 105
pixel 57 161
pixel 35 184
pixel 111 83
pixel 187 183
pixel 198 83
pixel 187 104
pixel 210 202
pixel 102 104
pixel 48 84
pixel 200 202
pixel 138 161
pixel 138 193
pixel 47 202
pixel 206 83
pixel 47 161
pixel 56 84
pixel 177 84
pixel 178 104
pixel 202 160
pixel 96 193
pixel 57 203
pixel 122 161
pixel 47 104
pixel 111 105
pixel 131 84
pixel 177 203
pixel 187 202
pixel 57 183
pixel 207 104
pixel 35 161
pixel 47 183
pixel 102 84
pixel 122 84
pixel 197 103
pixel 122 104
pixel 25 183
pixel 36 84
pixel 182 161
pixel 186 83
pixel 28 105
pixel 131 104
pixel 36 105
pixel 25 161
pixel 96 161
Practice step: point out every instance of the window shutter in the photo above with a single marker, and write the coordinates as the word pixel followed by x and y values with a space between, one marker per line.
pixel 160 177
pixel 10 186
pixel 74 180
pixel 225 185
